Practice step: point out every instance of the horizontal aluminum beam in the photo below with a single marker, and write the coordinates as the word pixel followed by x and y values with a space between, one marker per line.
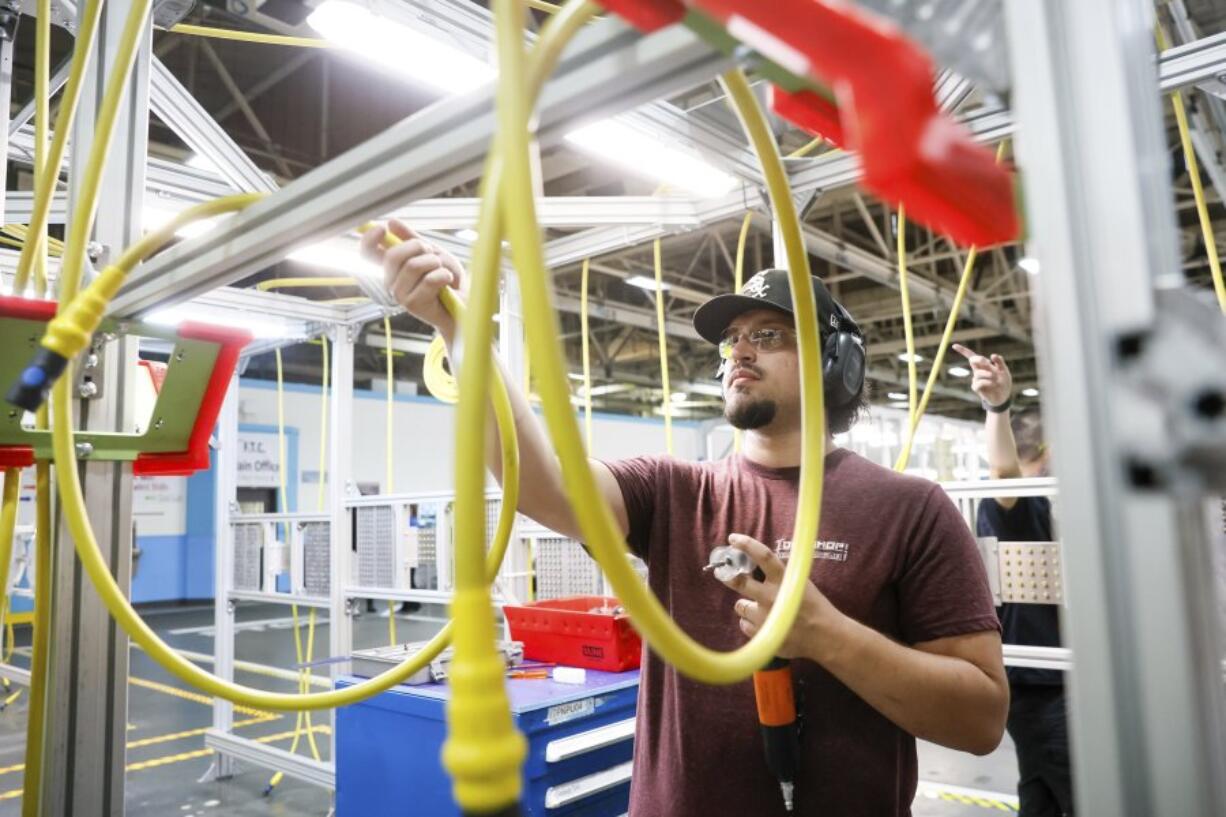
pixel 422 155
pixel 270 757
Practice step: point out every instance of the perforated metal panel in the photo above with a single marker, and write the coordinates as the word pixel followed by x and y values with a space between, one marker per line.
pixel 248 551
pixel 317 558
pixel 563 568
pixel 426 575
pixel 376 547
pixel 1031 573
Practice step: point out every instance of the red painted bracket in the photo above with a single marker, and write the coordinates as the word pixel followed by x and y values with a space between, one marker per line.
pixel 177 463
pixel 196 457
pixel 911 152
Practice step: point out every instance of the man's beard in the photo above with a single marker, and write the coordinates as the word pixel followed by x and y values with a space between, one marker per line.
pixel 750 414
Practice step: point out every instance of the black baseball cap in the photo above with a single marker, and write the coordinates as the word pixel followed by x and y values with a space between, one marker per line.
pixel 769 289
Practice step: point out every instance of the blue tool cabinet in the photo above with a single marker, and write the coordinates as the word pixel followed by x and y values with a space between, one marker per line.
pixel 580 740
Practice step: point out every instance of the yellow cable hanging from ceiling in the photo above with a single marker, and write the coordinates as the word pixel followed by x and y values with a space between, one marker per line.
pixel 905 290
pixel 662 336
pixel 946 338
pixel 251 36
pixel 1198 188
pixel 587 362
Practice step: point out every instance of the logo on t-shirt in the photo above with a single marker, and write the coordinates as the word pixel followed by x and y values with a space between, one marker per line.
pixel 831 551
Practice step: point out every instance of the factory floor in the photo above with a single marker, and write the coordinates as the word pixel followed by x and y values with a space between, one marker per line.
pixel 169 768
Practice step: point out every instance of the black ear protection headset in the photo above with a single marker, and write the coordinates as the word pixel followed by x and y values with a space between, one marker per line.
pixel 843 359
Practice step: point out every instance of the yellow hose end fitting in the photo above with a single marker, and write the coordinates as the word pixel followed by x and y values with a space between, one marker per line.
pixel 483 752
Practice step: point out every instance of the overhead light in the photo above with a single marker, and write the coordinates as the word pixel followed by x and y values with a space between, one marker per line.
pixel 649 284
pixel 1029 264
pixel 337 255
pixel 259 326
pixel 1031 392
pixel 905 358
pixel 421 58
pixel 678 397
pixel 398 48
pixel 959 371
pixel 903 405
pixel 656 158
pixel 466 235
pixel 894 395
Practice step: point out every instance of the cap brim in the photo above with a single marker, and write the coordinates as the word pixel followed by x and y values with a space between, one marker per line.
pixel 713 317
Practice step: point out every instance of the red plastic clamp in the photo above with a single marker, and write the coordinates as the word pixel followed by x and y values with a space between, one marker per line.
pixel 196 457
pixel 912 153
pixel 647 15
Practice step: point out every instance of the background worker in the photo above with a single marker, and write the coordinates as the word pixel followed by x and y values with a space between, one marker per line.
pixel 896 637
pixel 1038 721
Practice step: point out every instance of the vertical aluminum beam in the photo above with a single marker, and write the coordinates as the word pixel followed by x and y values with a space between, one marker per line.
pixel 1146 689
pixel 6 94
pixel 86 722
pixel 340 486
pixel 225 497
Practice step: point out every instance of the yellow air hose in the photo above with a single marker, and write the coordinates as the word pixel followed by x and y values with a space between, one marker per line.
pixel 286 283
pixel 70 335
pixel 904 290
pixel 8 529
pixel 946 338
pixel 251 36
pixel 1198 188
pixel 31 796
pixel 599 528
pixel 662 339
pixel 587 362
pixel 46 183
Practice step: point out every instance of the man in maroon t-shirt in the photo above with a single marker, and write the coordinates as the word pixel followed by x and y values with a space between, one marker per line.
pixel 897 637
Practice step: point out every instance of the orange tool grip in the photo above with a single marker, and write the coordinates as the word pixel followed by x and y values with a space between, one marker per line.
pixel 776 700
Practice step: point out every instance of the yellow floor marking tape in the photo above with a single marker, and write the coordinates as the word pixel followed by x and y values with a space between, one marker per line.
pixel 189 696
pixel 983 802
pixel 163 761
pixel 190 733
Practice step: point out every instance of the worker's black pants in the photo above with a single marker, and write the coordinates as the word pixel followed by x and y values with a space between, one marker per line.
pixel 1038 725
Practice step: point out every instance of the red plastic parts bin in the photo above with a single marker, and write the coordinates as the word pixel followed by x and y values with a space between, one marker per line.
pixel 576 631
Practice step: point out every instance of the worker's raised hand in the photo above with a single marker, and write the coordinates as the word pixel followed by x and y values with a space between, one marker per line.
pixel 415 271
pixel 815 615
pixel 990 376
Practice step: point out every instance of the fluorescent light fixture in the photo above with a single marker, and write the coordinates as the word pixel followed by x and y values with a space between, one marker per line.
pixel 261 326
pixel 575 376
pixel 466 234
pixel 678 397
pixel 1031 392
pixel 895 395
pixel 905 358
pixel 402 50
pixel 649 284
pixel 1029 264
pixel 903 405
pixel 336 255
pixel 647 155
pixel 959 371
